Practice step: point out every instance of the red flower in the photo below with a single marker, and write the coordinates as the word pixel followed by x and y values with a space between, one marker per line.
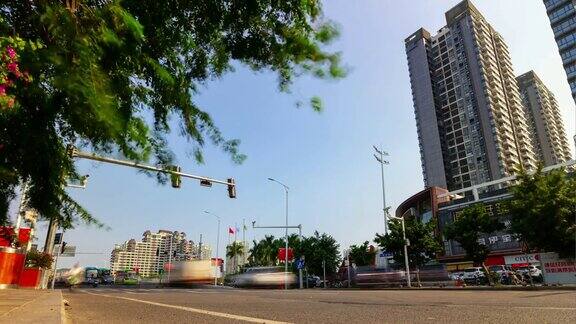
pixel 13 67
pixel 11 52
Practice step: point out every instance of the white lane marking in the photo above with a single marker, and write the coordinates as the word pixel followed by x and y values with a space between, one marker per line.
pixel 195 310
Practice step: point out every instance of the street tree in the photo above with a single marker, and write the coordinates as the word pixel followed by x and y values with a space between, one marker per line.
pixel 115 76
pixel 467 229
pixel 264 252
pixel 424 245
pixel 233 251
pixel 321 249
pixel 362 255
pixel 543 211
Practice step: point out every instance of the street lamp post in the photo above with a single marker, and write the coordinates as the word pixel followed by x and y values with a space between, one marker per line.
pixel 217 247
pixel 406 242
pixel 380 154
pixel 286 251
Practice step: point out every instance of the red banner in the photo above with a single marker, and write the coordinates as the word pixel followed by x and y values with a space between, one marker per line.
pixel 282 254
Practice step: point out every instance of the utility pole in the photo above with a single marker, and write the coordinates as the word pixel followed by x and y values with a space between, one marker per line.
pixel 56 259
pixel 406 242
pixel 217 263
pixel 170 257
pixel 200 248
pixel 324 271
pixel 380 154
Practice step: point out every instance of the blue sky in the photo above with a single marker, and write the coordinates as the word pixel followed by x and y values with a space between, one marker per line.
pixel 326 158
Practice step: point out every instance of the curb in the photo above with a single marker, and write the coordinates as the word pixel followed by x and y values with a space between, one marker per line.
pixel 527 288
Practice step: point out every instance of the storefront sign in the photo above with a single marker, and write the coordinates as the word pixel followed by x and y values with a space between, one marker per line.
pixel 522 258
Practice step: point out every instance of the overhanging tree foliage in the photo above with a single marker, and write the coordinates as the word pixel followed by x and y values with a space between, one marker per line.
pixel 543 211
pixel 362 255
pixel 423 243
pixel 109 74
pixel 467 229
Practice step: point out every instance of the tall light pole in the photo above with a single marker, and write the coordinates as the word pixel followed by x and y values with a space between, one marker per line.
pixel 217 247
pixel 286 251
pixel 379 155
pixel 406 242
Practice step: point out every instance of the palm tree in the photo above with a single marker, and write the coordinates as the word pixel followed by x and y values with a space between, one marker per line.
pixel 233 251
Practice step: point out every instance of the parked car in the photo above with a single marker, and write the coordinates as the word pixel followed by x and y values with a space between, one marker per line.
pixel 312 281
pixel 531 271
pixel 499 269
pixel 475 276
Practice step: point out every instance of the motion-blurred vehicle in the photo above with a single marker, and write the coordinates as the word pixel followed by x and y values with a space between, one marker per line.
pixel 379 277
pixel 264 277
pixel 431 273
pixel 192 272
pixel 456 275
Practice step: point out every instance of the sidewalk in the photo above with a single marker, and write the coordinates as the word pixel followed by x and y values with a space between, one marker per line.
pixel 31 306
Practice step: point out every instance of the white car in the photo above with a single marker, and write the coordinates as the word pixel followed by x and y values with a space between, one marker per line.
pixel 474 275
pixel 534 271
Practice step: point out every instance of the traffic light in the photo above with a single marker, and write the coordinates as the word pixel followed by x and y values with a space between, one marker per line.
pixel 174 178
pixel 231 188
pixel 63 247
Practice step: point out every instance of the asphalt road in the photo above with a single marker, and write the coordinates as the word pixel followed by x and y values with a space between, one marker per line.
pixel 113 305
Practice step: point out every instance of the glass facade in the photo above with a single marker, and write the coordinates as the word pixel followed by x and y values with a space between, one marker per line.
pixel 562 14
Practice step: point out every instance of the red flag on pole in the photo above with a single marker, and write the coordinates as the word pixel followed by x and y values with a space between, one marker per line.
pixel 230 230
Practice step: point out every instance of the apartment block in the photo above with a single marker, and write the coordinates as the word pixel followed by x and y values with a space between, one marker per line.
pixel 471 123
pixel 562 15
pixel 544 119
pixel 154 251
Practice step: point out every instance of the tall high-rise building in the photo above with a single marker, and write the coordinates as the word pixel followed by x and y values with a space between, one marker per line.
pixel 154 251
pixel 544 119
pixel 562 14
pixel 471 123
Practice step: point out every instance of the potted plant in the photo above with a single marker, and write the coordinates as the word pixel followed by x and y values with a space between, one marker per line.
pixel 36 262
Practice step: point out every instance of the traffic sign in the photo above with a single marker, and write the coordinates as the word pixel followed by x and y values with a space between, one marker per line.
pixel 300 264
pixel 386 254
pixel 58 238
pixel 69 251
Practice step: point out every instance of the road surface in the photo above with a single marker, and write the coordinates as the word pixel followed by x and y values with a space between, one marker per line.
pixel 221 305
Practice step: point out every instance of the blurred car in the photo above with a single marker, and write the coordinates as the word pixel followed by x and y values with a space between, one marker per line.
pixel 380 277
pixel 431 273
pixel 192 272
pixel 475 275
pixel 264 277
pixel 457 275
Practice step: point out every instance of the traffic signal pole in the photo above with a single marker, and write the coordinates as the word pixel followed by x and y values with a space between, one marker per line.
pixel 73 152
